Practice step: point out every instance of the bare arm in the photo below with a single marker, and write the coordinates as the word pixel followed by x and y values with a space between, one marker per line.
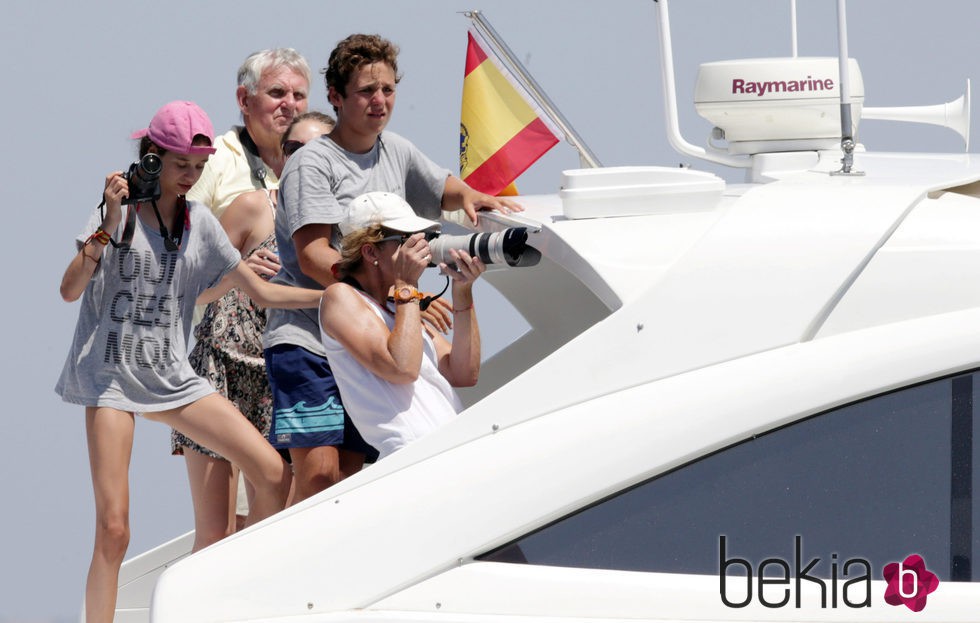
pixel 248 221
pixel 83 265
pixel 265 294
pixel 459 362
pixel 396 355
pixel 457 195
pixel 314 252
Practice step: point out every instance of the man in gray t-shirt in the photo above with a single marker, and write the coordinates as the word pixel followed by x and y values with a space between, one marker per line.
pixel 316 186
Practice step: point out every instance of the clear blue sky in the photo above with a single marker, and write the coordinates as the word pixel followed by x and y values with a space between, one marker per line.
pixel 79 77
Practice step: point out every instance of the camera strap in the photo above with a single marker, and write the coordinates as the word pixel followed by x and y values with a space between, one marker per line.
pixel 172 242
pixel 425 302
pixel 251 151
pixel 127 237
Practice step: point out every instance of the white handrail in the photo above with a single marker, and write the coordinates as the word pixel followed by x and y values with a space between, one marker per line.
pixel 670 101
pixel 792 25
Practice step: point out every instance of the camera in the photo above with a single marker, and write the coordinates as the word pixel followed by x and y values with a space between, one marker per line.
pixel 144 179
pixel 508 246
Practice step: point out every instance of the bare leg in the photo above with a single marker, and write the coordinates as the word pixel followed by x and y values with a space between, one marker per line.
pixel 214 422
pixel 244 491
pixel 291 498
pixel 314 469
pixel 110 446
pixel 211 483
pixel 350 463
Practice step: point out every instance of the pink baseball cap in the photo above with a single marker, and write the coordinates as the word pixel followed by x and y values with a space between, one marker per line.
pixel 176 124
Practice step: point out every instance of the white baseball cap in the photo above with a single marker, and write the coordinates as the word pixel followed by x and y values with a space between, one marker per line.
pixel 387 209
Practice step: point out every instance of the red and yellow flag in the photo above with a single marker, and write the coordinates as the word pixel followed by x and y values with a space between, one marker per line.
pixel 501 132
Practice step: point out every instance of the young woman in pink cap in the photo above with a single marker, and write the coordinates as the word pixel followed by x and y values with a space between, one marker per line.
pixel 144 258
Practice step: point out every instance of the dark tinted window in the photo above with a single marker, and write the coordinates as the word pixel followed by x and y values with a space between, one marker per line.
pixel 870 480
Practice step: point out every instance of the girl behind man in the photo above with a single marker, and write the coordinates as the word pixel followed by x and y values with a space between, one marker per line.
pixel 228 351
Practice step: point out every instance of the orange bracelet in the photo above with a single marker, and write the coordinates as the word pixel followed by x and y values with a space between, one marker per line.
pixel 459 311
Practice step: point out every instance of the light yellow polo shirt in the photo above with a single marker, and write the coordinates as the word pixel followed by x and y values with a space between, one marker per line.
pixel 227 175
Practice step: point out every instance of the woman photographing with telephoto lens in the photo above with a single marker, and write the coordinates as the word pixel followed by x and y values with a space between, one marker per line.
pixel 394 372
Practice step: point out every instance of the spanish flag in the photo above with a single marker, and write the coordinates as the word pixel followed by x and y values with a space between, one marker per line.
pixel 501 132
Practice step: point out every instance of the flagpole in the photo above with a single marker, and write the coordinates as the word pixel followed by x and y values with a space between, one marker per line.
pixel 504 54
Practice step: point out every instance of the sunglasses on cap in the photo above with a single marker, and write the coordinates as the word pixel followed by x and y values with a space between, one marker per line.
pixel 290 147
pixel 402 237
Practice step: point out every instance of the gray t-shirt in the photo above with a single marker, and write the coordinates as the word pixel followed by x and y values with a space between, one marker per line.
pixel 130 346
pixel 317 184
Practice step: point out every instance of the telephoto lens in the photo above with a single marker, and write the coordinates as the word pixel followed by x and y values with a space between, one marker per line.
pixel 144 179
pixel 500 247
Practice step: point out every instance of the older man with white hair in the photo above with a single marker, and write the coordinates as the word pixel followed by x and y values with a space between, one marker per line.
pixel 273 88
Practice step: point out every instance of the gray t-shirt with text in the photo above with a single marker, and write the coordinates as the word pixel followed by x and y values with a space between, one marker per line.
pixel 130 346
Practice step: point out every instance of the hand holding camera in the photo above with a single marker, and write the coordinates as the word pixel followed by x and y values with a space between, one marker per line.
pixel 115 193
pixel 463 269
pixel 140 183
pixel 412 257
pixel 144 179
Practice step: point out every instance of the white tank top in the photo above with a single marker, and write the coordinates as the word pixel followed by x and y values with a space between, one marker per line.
pixel 387 415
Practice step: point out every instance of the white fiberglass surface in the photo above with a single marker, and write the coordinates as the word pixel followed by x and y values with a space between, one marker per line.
pixel 931 265
pixel 501 592
pixel 495 488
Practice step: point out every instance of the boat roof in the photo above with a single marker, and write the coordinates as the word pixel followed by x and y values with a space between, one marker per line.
pixel 623 301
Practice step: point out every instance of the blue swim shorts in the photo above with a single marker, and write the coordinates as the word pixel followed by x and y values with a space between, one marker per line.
pixel 306 407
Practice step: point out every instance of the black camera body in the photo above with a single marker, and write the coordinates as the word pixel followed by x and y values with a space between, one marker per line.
pixel 144 179
pixel 501 247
